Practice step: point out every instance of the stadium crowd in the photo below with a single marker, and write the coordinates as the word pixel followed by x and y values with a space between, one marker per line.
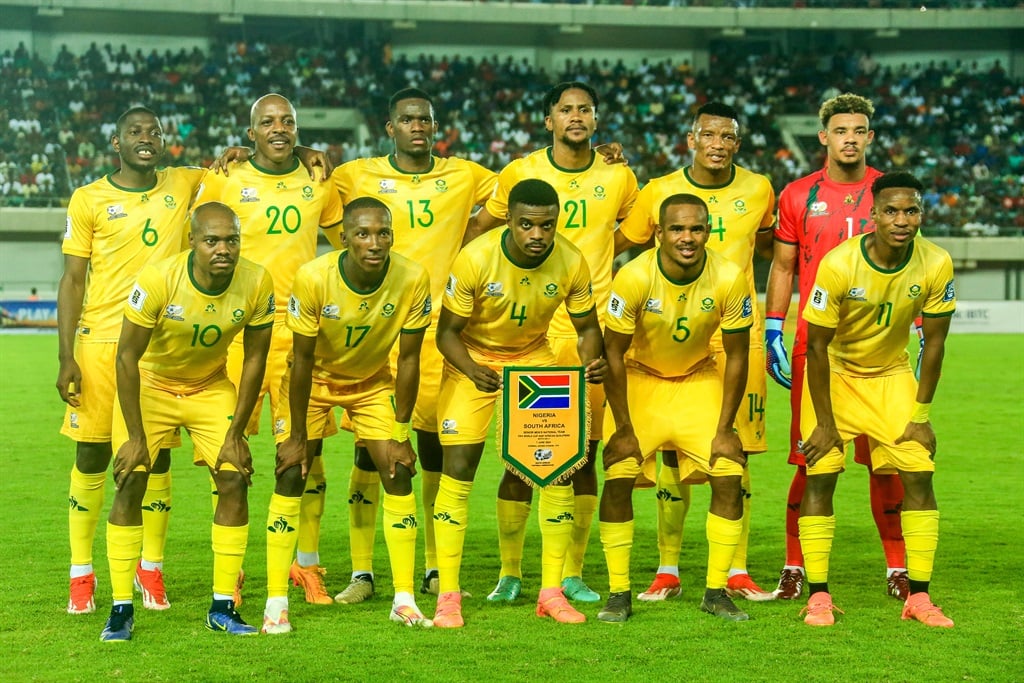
pixel 957 125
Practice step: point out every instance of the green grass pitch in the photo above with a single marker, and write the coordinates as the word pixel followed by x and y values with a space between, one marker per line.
pixel 978 419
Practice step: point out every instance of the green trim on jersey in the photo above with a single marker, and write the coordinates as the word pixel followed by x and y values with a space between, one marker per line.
pixel 551 160
pixel 879 269
pixel 203 290
pixel 504 250
pixel 295 165
pixel 350 285
pixel 727 183
pixel 681 282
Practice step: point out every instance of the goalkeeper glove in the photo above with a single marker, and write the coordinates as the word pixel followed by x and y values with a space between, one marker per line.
pixel 775 348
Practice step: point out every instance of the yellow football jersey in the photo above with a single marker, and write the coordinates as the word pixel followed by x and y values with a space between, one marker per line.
pixel 872 309
pixel 120 230
pixel 738 209
pixel 429 210
pixel 592 200
pixel 673 322
pixel 356 329
pixel 510 306
pixel 193 327
pixel 280 215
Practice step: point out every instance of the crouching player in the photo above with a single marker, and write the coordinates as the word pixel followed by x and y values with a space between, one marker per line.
pixel 346 311
pixel 665 306
pixel 179 321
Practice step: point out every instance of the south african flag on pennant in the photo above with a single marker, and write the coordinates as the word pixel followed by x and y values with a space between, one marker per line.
pixel 543 428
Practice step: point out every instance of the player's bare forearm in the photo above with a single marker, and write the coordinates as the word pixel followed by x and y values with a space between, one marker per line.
pixel 935 332
pixel 780 278
pixel 313 159
pixel 255 345
pixel 590 346
pixel 763 241
pixel 300 384
pixel 70 295
pixel 478 224
pixel 734 383
pixel 130 347
pixel 616 345
pixel 407 376
pixel 818 373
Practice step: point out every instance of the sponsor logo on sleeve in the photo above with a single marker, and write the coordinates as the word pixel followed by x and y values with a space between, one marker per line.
pixel 950 293
pixel 428 306
pixel 819 298
pixel 137 298
pixel 449 289
pixel 616 305
pixel 272 304
pixel 67 227
pixel 748 307
pixel 293 306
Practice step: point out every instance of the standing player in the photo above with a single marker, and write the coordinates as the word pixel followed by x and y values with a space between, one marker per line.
pixel 180 319
pixel 115 226
pixel 594 196
pixel 742 207
pixel 665 306
pixel 503 290
pixel 280 208
pixel 867 292
pixel 347 311
pixel 431 199
pixel 816 213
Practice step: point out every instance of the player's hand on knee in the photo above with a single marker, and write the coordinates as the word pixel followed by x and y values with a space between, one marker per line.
pixel 485 379
pixel 777 359
pixel 401 453
pixel 623 444
pixel 291 452
pixel 922 433
pixel 822 440
pixel 235 452
pixel 69 382
pixel 727 445
pixel 595 370
pixel 132 455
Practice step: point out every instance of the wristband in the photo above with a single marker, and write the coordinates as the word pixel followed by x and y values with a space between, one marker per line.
pixel 920 414
pixel 774 321
pixel 400 432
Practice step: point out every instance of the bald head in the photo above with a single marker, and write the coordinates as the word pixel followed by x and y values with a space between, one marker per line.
pixel 275 132
pixel 270 100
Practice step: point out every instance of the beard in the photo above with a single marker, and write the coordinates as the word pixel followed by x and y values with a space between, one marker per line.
pixel 575 145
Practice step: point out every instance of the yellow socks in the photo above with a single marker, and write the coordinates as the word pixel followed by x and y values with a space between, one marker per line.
pixel 156 514
pixel 229 543
pixel 816 534
pixel 400 536
pixel 673 504
pixel 429 483
pixel 723 534
pixel 583 517
pixel 124 544
pixel 451 517
pixel 617 539
pixel 512 516
pixel 312 510
pixel 739 559
pixel 283 523
pixel 921 535
pixel 85 498
pixel 554 513
pixel 363 498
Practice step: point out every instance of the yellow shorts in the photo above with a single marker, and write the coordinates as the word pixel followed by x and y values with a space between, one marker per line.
pixel 205 415
pixel 678 414
pixel 277 365
pixel 91 421
pixel 368 404
pixel 424 415
pixel 878 407
pixel 749 422
pixel 465 412
pixel 567 354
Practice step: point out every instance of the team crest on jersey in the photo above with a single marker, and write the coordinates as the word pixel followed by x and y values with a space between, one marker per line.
pixel 950 292
pixel 293 306
pixel 739 206
pixel 279 425
pixel 249 194
pixel 653 306
pixel 819 298
pixel 387 186
pixel 387 310
pixel 616 305
pixel 857 294
pixel 915 291
pixel 449 426
pixel 492 289
pixel 599 192
pixel 449 288
pixel 331 312
pixel 237 315
pixel 819 209
pixel 175 312
pixel 707 303
pixel 115 211
pixel 307 192
pixel 440 185
pixel 137 298
pixel 272 304
pixel 748 307
pixel 550 290
pixel 169 202
pixel 428 305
